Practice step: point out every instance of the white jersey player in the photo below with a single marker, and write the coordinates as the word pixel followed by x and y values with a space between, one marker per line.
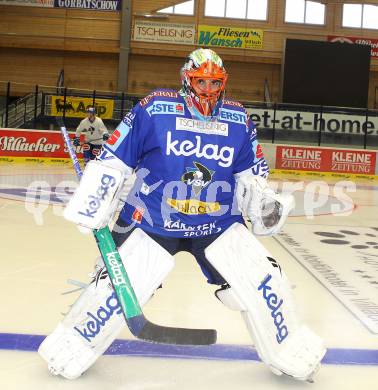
pixel 199 169
pixel 95 133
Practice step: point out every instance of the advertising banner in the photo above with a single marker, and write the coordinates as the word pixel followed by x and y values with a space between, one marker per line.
pixel 183 34
pixel 373 43
pixel 230 37
pixel 314 121
pixel 95 5
pixel 76 106
pixel 325 160
pixel 32 145
pixel 29 3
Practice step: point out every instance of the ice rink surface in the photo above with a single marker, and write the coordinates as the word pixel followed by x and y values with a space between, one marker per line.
pixel 330 259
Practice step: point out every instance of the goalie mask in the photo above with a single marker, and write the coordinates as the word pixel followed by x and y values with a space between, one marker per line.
pixel 204 79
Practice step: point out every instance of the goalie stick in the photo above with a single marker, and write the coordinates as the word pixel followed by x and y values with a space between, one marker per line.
pixel 138 324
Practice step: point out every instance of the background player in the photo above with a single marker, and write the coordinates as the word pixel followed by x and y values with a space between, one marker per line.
pixel 95 133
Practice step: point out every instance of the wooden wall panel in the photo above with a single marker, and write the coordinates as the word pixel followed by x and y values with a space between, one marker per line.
pixel 28 67
pixel 59 29
pixel 25 68
pixel 150 72
pixel 246 80
pixel 152 5
pixel 91 71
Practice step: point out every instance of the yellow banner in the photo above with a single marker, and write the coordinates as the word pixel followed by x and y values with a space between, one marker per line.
pixel 230 37
pixel 37 160
pixel 193 206
pixel 76 106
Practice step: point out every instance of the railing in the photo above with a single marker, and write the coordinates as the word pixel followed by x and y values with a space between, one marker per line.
pixel 276 122
pixel 26 109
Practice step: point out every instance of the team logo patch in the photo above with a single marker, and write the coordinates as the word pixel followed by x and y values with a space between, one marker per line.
pixel 90 130
pixel 96 151
pixel 198 177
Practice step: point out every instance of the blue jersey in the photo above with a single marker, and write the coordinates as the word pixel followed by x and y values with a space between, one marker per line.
pixel 185 167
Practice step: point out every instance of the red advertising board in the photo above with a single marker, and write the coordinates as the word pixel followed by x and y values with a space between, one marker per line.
pixel 34 144
pixel 373 43
pixel 325 160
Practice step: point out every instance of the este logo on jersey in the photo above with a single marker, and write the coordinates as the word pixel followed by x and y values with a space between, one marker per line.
pixel 167 108
pixel 233 116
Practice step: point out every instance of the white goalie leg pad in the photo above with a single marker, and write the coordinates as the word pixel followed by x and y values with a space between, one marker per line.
pixel 265 298
pixel 96 317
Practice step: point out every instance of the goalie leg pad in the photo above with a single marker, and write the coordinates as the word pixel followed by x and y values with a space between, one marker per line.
pixel 96 317
pixel 264 295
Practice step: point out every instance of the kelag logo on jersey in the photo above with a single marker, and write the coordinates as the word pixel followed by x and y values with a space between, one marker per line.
pixel 233 116
pixel 224 155
pixel 164 107
pixel 198 177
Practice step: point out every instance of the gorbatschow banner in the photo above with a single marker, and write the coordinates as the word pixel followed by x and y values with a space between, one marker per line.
pixel 97 5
